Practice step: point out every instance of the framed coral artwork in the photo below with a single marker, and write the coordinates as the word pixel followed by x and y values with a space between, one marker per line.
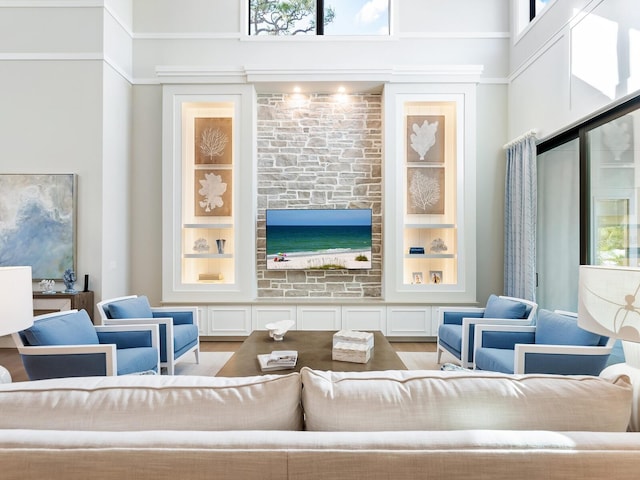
pixel 38 223
pixel 425 138
pixel 213 192
pixel 213 141
pixel 425 190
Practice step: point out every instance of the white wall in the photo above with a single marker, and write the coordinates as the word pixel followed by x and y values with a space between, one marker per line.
pixel 572 61
pixel 205 36
pixel 66 108
pixel 66 67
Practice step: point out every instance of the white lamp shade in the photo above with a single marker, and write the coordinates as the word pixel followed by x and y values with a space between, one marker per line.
pixel 609 301
pixel 16 299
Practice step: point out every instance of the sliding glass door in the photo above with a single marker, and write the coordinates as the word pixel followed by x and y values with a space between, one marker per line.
pixel 558 227
pixel 614 177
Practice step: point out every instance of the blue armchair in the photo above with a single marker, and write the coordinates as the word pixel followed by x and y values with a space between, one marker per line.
pixel 456 324
pixel 555 345
pixel 178 326
pixel 67 344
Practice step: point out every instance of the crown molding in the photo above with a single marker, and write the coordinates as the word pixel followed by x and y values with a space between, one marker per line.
pixel 52 4
pixel 318 74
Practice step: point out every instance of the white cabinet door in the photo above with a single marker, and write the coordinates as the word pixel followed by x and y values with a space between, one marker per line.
pixel 263 314
pixel 230 320
pixel 319 317
pixel 409 321
pixel 364 318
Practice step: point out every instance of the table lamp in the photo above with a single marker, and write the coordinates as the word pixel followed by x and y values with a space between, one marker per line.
pixel 16 304
pixel 609 304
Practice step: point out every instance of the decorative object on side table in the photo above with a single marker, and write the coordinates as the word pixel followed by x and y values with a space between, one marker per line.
pixel 278 329
pixel 69 278
pixel 352 346
pixel 47 286
pixel 609 304
pixel 17 309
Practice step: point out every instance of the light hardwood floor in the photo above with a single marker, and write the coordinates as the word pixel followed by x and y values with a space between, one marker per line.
pixel 10 359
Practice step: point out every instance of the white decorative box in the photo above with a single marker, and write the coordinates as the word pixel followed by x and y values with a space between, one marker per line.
pixel 353 336
pixel 351 352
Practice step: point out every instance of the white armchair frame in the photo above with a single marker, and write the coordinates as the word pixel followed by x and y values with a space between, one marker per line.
pixel 467 322
pixel 108 349
pixel 170 364
pixel 521 349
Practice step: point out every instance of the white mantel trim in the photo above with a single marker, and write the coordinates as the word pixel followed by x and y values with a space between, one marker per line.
pixel 316 73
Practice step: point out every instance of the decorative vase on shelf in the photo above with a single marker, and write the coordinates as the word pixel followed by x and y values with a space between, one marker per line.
pixel 220 244
pixel 69 279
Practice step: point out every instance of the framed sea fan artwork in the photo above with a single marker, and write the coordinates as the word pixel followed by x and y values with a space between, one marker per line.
pixel 213 192
pixel 213 141
pixel 38 223
pixel 425 190
pixel 425 138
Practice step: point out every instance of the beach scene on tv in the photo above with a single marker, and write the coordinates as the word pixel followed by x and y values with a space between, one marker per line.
pixel 322 239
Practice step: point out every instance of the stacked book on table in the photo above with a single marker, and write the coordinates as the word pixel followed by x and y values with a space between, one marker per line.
pixel 278 360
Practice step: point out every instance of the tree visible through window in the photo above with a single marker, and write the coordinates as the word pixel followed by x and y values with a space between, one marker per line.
pixel 318 17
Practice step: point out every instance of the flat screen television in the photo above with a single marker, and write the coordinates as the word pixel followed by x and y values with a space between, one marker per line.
pixel 322 239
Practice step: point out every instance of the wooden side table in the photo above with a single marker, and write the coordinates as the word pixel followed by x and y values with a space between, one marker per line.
pixel 60 301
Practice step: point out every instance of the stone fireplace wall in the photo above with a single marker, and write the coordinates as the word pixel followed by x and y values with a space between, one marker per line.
pixel 320 151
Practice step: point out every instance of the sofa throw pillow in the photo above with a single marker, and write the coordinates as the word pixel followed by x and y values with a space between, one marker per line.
pixel 462 400
pixel 73 328
pixel 504 308
pixel 137 307
pixel 557 329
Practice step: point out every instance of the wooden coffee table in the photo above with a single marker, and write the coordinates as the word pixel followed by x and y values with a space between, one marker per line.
pixel 314 351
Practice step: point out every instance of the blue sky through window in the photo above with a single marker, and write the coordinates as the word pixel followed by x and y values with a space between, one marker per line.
pixel 358 17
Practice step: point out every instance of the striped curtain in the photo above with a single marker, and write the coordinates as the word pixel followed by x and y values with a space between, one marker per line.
pixel 520 205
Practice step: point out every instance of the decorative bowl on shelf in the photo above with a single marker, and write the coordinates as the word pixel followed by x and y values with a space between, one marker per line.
pixel 278 329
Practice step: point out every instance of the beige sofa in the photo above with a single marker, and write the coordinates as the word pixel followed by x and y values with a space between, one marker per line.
pixel 319 425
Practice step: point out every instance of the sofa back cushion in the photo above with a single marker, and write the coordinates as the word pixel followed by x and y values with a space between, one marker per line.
pixel 74 328
pixel 465 400
pixel 556 329
pixel 504 308
pixel 136 307
pixel 150 402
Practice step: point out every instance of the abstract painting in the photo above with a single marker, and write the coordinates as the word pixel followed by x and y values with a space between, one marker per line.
pixel 38 223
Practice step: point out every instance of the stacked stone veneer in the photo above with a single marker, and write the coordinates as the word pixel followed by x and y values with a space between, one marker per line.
pixel 320 151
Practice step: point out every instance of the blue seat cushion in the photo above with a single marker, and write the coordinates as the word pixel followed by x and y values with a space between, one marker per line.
pixel 556 329
pixel 451 336
pixel 136 360
pixel 70 329
pixel 184 336
pixel 137 307
pixel 494 359
pixel 504 308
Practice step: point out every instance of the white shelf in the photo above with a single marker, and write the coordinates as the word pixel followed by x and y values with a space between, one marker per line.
pixel 208 225
pixel 429 225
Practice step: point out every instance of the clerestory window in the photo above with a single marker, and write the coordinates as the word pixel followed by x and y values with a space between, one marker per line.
pixel 536 6
pixel 318 17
